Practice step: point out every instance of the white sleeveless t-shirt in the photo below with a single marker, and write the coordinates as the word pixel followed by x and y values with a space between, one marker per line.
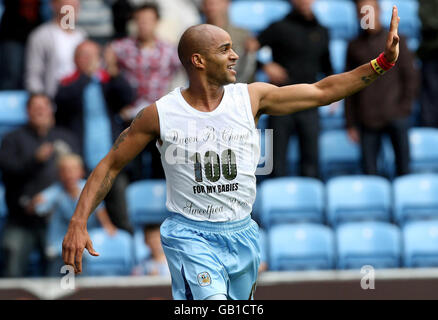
pixel 209 158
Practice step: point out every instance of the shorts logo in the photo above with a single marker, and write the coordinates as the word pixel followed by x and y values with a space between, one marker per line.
pixel 204 279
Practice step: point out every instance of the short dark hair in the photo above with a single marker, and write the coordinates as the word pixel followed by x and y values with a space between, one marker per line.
pixel 33 95
pixel 148 6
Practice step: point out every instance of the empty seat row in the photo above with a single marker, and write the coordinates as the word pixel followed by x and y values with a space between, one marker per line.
pixel 347 198
pixel 341 156
pixel 301 246
pixel 352 246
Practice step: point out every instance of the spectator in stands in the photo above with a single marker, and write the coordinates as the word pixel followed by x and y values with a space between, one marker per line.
pixel 300 51
pixel 18 20
pixel 175 19
pixel 149 64
pixel 146 61
pixel 27 161
pixel 50 49
pixel 428 53
pixel 384 109
pixel 156 264
pixel 96 20
pixel 91 103
pixel 216 13
pixel 59 201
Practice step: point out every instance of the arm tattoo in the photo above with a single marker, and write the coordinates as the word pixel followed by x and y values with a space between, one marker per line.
pixel 367 80
pixel 138 116
pixel 104 188
pixel 120 139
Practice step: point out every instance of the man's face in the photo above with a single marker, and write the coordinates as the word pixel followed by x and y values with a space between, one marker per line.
pixel 70 171
pixel 303 6
pixel 87 58
pixel 40 112
pixel 221 58
pixel 215 8
pixel 146 22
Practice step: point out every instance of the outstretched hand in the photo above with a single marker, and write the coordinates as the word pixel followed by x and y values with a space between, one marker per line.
pixel 392 43
pixel 75 241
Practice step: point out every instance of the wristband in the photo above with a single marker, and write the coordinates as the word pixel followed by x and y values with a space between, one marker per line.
pixel 381 65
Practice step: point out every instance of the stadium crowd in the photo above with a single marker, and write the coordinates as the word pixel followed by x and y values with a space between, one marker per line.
pixel 82 78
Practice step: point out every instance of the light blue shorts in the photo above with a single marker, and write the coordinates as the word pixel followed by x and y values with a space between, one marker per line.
pixel 208 258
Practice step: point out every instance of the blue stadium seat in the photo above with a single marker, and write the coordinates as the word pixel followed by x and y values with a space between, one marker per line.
pixel 115 254
pixel 332 120
pixel 301 246
pixel 257 15
pixel 353 198
pixel 338 154
pixel 420 244
pixel 415 197
pixel 410 23
pixel 12 110
pixel 339 16
pixel 293 156
pixel 291 199
pixel 338 54
pixel 141 250
pixel 368 243
pixel 146 201
pixel 424 151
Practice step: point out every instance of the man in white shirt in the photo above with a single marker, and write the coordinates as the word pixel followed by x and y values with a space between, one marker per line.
pixel 50 49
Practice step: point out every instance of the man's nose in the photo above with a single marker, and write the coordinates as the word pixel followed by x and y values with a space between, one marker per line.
pixel 234 55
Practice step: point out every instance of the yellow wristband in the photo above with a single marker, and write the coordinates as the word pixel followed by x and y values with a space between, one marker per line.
pixel 376 67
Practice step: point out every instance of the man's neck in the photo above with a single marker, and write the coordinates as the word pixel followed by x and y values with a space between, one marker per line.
pixel 147 42
pixel 41 131
pixel 203 96
pixel 73 191
pixel 58 23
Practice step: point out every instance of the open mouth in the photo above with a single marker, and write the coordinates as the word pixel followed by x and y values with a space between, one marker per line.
pixel 231 68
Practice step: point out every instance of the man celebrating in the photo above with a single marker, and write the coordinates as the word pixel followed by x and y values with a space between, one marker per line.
pixel 211 243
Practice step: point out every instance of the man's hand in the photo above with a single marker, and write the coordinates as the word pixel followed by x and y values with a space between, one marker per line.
pixel 44 152
pixel 392 43
pixel 276 73
pixel 75 241
pixel 353 134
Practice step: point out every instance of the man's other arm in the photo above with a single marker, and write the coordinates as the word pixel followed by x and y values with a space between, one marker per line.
pixel 143 129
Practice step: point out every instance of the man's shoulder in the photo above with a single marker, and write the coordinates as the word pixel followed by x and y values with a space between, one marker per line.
pixel 70 79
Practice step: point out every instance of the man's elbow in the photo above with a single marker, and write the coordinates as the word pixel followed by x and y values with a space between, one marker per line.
pixel 323 97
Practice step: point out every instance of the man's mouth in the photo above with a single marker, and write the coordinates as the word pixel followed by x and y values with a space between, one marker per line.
pixel 231 68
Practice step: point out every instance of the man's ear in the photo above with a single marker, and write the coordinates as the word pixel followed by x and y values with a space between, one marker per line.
pixel 198 61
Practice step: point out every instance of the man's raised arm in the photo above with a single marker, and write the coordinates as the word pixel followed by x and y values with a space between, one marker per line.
pixel 270 99
pixel 143 129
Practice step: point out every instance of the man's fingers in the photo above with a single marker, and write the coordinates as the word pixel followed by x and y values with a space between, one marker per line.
pixel 395 40
pixel 78 260
pixel 90 249
pixel 70 255
pixel 394 20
